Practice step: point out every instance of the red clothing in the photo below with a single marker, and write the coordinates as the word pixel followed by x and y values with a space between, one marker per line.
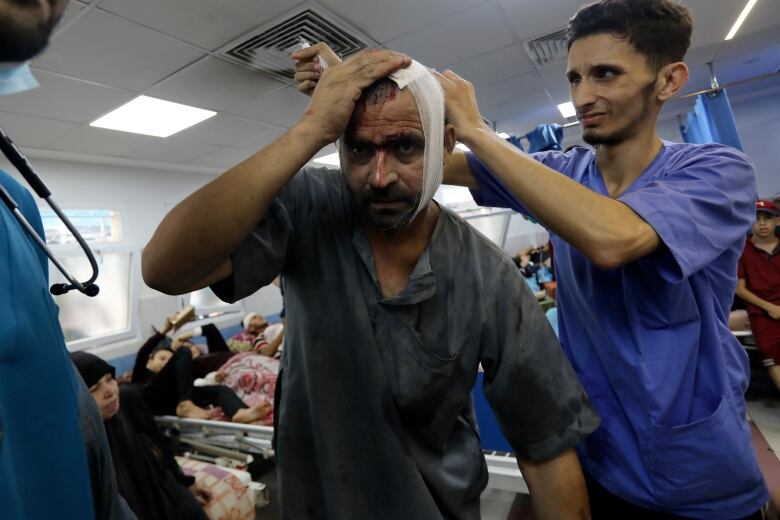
pixel 761 272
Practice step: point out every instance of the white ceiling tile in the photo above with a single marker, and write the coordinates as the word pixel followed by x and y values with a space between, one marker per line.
pixel 261 141
pixel 207 23
pixel 170 150
pixel 213 84
pixel 474 31
pixel 384 20
pixel 494 66
pixel 99 141
pixel 280 108
pixel 71 10
pixel 513 89
pixel 111 51
pixel 224 130
pixel 712 19
pixel 33 132
pixel 553 78
pixel 223 158
pixel 530 20
pixel 65 99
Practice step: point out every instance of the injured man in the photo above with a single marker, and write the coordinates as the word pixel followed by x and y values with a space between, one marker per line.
pixel 393 303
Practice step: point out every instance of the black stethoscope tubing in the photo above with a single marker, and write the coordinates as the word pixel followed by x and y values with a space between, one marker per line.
pixel 20 162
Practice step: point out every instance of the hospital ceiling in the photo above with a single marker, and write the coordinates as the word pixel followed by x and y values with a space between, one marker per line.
pixel 107 52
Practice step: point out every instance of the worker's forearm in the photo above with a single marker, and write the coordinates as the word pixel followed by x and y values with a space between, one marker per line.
pixel 605 230
pixel 557 487
pixel 200 233
pixel 750 297
pixel 457 171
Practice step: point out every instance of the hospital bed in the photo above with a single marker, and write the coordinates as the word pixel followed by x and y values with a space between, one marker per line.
pixel 237 445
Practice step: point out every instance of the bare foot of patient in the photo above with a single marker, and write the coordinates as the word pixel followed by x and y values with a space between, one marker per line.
pixel 190 410
pixel 248 415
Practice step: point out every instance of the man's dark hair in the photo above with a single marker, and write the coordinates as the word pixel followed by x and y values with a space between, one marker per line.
pixel 23 32
pixel 378 92
pixel 658 29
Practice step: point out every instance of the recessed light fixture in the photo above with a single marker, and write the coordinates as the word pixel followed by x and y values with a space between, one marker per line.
pixel 151 116
pixel 741 18
pixel 330 160
pixel 461 146
pixel 502 135
pixel 567 109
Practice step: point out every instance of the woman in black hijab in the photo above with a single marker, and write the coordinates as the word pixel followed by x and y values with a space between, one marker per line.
pixel 149 479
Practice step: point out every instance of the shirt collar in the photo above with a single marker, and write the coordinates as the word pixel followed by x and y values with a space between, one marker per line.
pixel 422 281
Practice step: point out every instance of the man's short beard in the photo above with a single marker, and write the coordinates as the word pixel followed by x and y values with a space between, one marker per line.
pixel 394 222
pixel 24 34
pixel 628 131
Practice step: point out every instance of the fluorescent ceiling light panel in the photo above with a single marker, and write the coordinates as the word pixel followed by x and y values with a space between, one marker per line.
pixel 330 160
pixel 503 135
pixel 741 18
pixel 461 146
pixel 567 109
pixel 151 116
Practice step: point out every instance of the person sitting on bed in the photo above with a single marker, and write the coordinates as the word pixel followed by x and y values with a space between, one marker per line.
pixel 149 479
pixel 163 372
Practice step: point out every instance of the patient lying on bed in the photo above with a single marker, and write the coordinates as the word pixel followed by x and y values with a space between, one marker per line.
pixel 257 336
pixel 149 478
pixel 163 372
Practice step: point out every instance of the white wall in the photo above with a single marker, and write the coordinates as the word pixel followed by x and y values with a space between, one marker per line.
pixel 143 195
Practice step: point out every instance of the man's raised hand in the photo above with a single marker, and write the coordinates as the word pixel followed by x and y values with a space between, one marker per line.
pixel 339 87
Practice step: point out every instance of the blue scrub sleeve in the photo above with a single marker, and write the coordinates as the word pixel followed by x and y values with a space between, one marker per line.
pixel 492 192
pixel 700 209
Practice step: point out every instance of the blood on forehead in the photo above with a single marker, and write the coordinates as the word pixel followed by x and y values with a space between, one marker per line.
pixel 388 119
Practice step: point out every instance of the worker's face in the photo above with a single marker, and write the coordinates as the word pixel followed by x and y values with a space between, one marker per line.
pixel 158 361
pixel 612 88
pixel 765 225
pixel 106 395
pixel 257 325
pixel 382 157
pixel 25 26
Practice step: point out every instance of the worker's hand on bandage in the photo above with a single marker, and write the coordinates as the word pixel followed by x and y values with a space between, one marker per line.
pixel 460 102
pixel 341 85
pixel 309 64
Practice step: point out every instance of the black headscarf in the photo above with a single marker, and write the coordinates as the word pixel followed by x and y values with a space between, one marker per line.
pixel 146 470
pixel 91 367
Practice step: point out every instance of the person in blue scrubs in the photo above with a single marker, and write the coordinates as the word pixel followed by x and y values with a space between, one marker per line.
pixel 46 414
pixel 647 235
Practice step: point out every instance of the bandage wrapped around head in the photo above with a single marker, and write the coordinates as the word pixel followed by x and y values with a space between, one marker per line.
pixel 430 103
pixel 248 319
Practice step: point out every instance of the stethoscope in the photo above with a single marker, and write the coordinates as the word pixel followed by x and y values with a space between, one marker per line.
pixel 25 168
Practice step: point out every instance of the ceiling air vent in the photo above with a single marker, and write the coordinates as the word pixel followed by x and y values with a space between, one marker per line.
pixel 547 49
pixel 267 49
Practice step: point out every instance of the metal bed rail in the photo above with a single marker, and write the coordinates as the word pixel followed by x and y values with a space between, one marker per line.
pixel 239 441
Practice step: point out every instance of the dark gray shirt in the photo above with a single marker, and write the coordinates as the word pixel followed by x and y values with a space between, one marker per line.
pixel 376 418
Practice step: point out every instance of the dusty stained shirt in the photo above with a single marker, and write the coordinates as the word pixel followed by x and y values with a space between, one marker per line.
pixel 376 418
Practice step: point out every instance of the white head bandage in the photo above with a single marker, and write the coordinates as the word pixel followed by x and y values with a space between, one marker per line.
pixel 430 103
pixel 248 319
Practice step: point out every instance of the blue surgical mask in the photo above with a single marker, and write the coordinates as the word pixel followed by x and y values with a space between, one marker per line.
pixel 16 77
